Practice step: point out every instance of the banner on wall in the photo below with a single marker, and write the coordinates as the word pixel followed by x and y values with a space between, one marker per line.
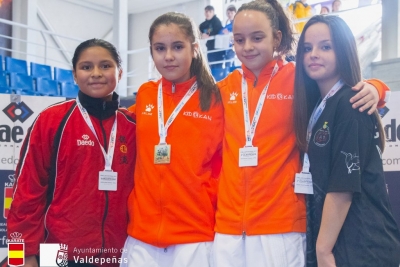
pixel 391 123
pixel 17 114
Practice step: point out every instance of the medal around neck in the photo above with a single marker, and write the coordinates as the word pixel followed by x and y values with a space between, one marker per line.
pixel 162 154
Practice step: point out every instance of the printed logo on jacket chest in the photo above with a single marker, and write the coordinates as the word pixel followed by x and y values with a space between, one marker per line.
pixel 197 115
pixel 232 98
pixel 85 141
pixel 148 110
pixel 280 96
pixel 322 136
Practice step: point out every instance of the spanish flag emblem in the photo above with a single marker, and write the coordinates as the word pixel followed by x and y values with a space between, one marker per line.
pixel 16 254
pixel 8 193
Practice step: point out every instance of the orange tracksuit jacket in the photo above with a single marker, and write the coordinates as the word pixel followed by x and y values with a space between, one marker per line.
pixel 175 203
pixel 261 200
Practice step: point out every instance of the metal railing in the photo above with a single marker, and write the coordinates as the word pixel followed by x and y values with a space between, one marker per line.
pixel 141 66
pixel 44 56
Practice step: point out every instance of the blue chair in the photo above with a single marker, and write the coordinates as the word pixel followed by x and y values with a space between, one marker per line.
pixel 4 89
pixel 1 65
pixel 3 81
pixel 16 65
pixel 47 87
pixel 22 84
pixel 63 75
pixel 40 71
pixel 219 73
pixel 69 90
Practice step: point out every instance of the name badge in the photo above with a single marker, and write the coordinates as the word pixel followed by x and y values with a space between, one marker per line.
pixel 303 183
pixel 162 154
pixel 248 156
pixel 108 180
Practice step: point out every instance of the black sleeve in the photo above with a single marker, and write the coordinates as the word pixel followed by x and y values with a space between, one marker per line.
pixel 352 139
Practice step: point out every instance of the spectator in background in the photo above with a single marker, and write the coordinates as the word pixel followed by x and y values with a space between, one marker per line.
pixel 324 10
pixel 336 5
pixel 211 27
pixel 229 54
pixel 230 13
pixel 300 9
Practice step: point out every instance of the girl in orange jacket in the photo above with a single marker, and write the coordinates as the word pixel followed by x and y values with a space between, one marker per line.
pixel 180 127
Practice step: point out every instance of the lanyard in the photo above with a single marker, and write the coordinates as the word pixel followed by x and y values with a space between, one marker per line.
pixel 251 128
pixel 162 129
pixel 108 157
pixel 315 116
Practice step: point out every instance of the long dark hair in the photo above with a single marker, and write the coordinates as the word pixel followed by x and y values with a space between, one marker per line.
pixel 92 43
pixel 198 67
pixel 279 21
pixel 307 93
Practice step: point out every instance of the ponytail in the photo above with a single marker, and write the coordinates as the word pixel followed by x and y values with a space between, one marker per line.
pixel 285 26
pixel 205 81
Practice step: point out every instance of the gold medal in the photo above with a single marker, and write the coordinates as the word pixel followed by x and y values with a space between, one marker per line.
pixel 162 154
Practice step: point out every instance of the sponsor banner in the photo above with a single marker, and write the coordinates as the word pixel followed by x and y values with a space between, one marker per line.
pixel 16 255
pixel 17 114
pixel 6 184
pixel 15 119
pixel 391 123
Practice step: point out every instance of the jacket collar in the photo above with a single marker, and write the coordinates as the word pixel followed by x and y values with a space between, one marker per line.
pixel 180 88
pixel 97 107
pixel 265 72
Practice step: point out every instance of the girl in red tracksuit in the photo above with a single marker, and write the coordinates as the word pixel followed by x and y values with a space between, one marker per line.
pixel 76 168
pixel 180 127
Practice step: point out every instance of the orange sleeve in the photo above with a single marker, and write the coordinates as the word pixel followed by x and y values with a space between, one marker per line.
pixel 382 89
pixel 132 109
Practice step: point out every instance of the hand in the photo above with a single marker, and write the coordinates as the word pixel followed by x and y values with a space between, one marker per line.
pixel 225 31
pixel 31 261
pixel 367 98
pixel 326 259
pixel 204 36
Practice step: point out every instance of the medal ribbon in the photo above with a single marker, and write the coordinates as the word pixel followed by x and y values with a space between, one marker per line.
pixel 315 116
pixel 163 129
pixel 108 157
pixel 250 129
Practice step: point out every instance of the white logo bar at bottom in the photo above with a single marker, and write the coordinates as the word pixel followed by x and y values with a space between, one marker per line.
pixel 53 255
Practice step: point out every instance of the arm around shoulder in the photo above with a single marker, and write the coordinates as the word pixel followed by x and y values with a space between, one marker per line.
pixel 383 91
pixel 372 94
